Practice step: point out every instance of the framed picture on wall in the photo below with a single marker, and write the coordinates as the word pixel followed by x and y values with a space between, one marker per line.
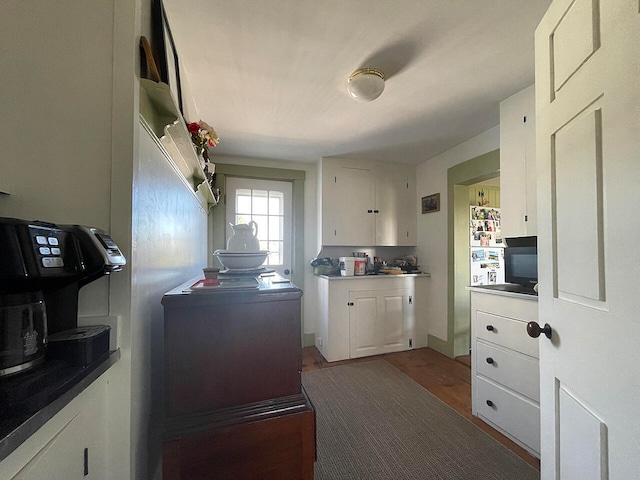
pixel 173 65
pixel 431 203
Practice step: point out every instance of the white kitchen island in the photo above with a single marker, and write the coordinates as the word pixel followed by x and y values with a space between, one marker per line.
pixel 370 314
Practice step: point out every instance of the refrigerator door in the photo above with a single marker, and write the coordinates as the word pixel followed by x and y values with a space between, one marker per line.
pixel 484 227
pixel 487 266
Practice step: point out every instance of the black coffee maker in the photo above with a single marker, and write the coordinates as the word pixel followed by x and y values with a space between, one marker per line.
pixel 42 268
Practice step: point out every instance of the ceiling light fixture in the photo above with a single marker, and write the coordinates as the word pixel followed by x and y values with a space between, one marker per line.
pixel 365 84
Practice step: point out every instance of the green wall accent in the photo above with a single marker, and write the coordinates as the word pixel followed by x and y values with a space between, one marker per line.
pixel 459 177
pixel 308 339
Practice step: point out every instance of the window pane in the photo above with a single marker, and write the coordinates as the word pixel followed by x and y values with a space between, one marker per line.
pixel 276 203
pixel 260 202
pixel 263 226
pixel 276 228
pixel 243 219
pixel 275 253
pixel 243 201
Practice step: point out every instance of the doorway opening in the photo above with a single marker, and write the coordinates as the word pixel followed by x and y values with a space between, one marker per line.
pixel 268 204
pixel 459 178
pixel 219 221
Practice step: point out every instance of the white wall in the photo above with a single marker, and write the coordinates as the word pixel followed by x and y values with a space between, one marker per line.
pixel 169 233
pixel 432 227
pixel 69 154
pixel 309 299
pixel 55 127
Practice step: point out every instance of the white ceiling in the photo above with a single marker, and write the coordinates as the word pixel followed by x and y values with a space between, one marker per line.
pixel 270 75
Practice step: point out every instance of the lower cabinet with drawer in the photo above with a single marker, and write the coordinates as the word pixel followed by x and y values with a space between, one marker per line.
pixel 504 365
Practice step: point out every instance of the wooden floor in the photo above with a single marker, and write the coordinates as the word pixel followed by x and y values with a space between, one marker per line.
pixel 447 379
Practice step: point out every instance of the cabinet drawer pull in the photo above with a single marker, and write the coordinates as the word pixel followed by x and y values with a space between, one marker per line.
pixel 369 211
pixel 489 360
pixel 490 403
pixel 490 328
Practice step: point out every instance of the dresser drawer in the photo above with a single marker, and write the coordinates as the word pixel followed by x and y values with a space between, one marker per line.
pixel 515 415
pixel 505 331
pixel 513 370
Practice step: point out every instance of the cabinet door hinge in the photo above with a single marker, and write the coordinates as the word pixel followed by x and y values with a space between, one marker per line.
pixel 86 462
pixel 410 300
pixel 526 218
pixel 335 179
pixel 349 304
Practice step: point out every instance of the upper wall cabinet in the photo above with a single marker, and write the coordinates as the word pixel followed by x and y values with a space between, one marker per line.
pixel 518 164
pixel 367 203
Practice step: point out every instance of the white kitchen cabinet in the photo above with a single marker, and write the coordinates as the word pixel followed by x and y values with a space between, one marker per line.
pixel 518 164
pixel 367 203
pixel 504 365
pixel 370 315
pixel 402 227
pixel 57 450
pixel 348 198
pixel 378 321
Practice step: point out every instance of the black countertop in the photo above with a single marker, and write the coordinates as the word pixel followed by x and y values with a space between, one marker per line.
pixel 505 287
pixel 30 399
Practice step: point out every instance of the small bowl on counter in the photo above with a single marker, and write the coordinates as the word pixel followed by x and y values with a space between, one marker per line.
pixel 211 272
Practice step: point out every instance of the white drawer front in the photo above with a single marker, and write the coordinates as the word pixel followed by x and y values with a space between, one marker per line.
pixel 512 370
pixel 516 416
pixel 507 332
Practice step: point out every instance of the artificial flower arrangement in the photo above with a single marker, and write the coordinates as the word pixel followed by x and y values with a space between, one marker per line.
pixel 203 136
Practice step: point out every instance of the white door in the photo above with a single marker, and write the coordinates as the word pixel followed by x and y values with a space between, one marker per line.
pixel 268 203
pixel 588 147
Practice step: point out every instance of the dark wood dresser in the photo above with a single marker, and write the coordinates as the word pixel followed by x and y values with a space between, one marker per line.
pixel 234 403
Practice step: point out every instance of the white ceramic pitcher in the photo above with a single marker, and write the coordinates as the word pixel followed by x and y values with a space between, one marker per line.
pixel 244 238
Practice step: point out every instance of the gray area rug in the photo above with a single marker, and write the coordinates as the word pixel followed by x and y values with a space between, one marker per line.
pixel 374 422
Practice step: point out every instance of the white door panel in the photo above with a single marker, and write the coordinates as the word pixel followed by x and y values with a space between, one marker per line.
pixel 588 160
pixel 378 321
pixel 269 204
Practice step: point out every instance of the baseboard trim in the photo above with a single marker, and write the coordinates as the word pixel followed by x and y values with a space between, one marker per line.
pixel 439 345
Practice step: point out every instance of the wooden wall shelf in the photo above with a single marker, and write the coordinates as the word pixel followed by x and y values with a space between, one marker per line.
pixel 160 116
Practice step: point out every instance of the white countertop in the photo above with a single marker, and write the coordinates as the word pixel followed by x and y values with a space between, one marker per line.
pixel 381 275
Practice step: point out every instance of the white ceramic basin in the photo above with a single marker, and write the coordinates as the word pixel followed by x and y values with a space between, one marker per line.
pixel 234 260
